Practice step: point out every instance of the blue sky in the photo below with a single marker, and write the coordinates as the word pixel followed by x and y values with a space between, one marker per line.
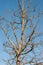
pixel 6 8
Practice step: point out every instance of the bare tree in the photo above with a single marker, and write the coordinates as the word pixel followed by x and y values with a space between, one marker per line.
pixel 21 46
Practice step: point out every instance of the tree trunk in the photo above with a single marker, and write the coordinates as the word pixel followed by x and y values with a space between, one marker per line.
pixel 18 60
pixel 18 63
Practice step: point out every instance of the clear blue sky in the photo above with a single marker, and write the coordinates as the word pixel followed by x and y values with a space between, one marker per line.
pixel 6 7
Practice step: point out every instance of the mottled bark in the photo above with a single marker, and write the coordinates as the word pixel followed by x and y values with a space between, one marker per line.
pixel 18 60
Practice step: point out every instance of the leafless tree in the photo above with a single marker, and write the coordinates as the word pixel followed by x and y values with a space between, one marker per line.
pixel 22 46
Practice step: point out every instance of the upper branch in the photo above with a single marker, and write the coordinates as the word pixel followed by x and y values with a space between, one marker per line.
pixel 29 39
pixel 29 50
pixel 10 41
pixel 19 5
